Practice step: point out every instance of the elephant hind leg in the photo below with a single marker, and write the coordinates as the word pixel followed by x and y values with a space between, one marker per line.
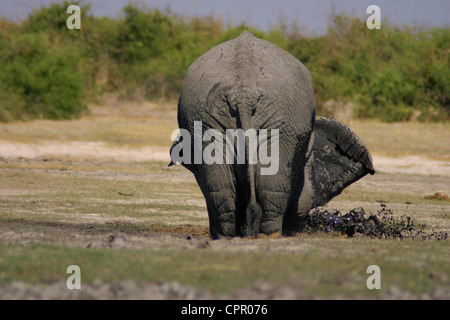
pixel 274 204
pixel 278 197
pixel 218 184
pixel 221 211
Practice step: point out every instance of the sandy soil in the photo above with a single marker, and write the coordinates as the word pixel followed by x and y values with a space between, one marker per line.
pixel 407 175
pixel 102 151
pixel 81 150
pixel 132 290
pixel 411 165
pixel 79 233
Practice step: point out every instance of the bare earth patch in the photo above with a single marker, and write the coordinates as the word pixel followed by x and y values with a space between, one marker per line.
pixel 129 203
pixel 412 165
pixel 79 150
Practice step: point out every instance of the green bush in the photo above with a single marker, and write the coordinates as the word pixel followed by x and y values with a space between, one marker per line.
pixel 38 80
pixel 49 71
pixel 393 74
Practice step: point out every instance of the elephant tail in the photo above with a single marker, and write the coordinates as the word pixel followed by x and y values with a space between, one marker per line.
pixel 253 214
pixel 244 110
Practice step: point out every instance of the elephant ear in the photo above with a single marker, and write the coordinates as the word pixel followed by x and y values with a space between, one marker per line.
pixel 338 158
pixel 187 164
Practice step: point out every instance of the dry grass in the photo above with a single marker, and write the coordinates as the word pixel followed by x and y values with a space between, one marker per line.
pixel 55 212
pixel 137 125
pixel 430 140
pixel 125 125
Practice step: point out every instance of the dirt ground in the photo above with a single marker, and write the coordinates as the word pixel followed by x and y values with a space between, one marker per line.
pixel 101 151
pixel 132 290
pixel 78 232
pixel 405 175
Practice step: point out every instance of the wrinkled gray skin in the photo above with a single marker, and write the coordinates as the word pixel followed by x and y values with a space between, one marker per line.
pixel 251 83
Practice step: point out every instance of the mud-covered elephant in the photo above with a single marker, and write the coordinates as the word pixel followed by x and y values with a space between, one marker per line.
pixel 253 85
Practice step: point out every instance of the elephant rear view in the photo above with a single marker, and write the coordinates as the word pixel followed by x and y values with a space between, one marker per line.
pixel 241 101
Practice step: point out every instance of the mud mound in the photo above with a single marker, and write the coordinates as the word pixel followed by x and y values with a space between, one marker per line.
pixel 382 225
pixel 438 196
pixel 357 222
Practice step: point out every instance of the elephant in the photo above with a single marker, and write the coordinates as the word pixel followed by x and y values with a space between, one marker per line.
pixel 248 83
